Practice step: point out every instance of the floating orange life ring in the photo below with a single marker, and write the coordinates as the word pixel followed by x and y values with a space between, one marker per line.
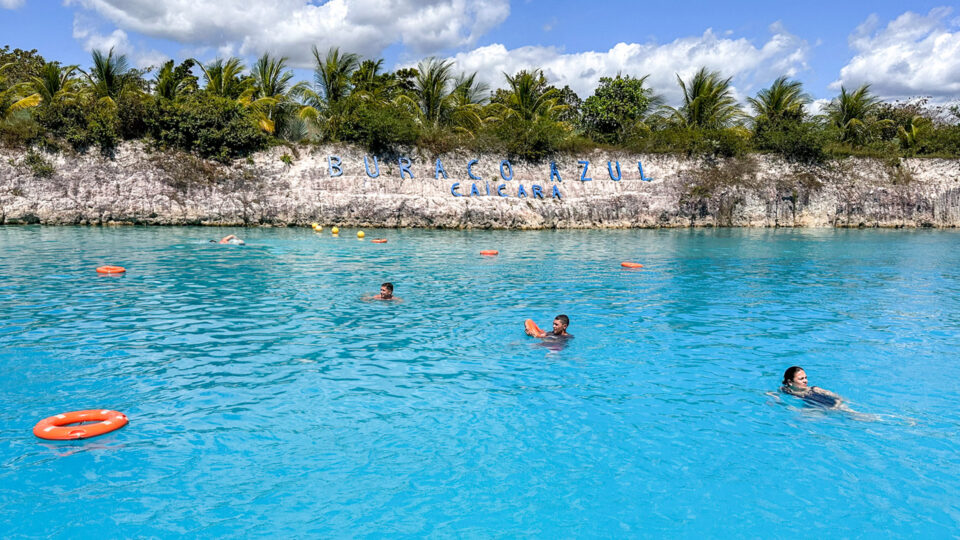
pixel 532 329
pixel 489 252
pixel 631 265
pixel 56 428
pixel 379 240
pixel 111 269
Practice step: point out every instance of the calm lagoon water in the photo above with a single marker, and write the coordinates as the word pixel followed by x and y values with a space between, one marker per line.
pixel 266 399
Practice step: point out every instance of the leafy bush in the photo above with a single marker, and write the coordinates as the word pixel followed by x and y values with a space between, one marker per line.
pixel 530 140
pixel 132 111
pixel 724 142
pixel 380 127
pixel 211 126
pixel 103 127
pixel 796 141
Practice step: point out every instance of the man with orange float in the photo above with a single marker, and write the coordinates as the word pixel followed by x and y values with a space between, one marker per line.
pixel 560 324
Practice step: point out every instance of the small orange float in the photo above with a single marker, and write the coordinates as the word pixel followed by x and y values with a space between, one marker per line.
pixel 379 240
pixel 111 269
pixel 631 265
pixel 490 252
pixel 532 329
pixel 57 428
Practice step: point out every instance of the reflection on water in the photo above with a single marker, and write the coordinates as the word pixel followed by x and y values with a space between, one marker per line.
pixel 261 390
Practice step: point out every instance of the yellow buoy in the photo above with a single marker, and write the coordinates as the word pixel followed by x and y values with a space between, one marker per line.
pixel 335 230
pixel 314 225
pixel 360 234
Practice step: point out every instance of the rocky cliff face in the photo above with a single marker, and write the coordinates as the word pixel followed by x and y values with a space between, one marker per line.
pixel 282 187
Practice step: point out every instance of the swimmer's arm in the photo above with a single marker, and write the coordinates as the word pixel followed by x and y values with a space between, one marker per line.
pixel 826 392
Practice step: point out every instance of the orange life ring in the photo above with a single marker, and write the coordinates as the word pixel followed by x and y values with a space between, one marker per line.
pixel 111 269
pixel 379 240
pixel 631 265
pixel 532 329
pixel 56 428
pixel 490 252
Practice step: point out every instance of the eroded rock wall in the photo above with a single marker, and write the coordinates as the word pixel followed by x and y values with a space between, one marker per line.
pixel 139 186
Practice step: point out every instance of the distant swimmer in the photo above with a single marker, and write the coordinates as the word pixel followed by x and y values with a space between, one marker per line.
pixel 230 239
pixel 386 293
pixel 795 384
pixel 560 324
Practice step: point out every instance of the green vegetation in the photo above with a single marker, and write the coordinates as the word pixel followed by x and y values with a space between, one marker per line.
pixel 224 110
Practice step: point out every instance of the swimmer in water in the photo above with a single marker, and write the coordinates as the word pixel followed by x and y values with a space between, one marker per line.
pixel 795 384
pixel 560 324
pixel 230 239
pixel 386 293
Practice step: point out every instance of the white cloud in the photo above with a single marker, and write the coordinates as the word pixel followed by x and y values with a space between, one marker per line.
pixel 751 67
pixel 291 27
pixel 119 42
pixel 11 4
pixel 913 55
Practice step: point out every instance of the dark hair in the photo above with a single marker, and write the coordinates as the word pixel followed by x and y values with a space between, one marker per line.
pixel 564 319
pixel 789 374
pixel 388 285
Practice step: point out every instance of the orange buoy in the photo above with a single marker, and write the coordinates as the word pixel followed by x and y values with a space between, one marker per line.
pixel 57 428
pixel 379 240
pixel 532 329
pixel 631 265
pixel 111 269
pixel 490 252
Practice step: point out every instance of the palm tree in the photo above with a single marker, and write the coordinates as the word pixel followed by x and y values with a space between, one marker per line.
pixel 332 77
pixel 911 134
pixel 470 91
pixel 708 102
pixel 10 100
pixel 109 77
pixel 332 74
pixel 784 99
pixel 432 84
pixel 171 83
pixel 529 98
pixel 54 82
pixel 854 114
pixel 223 77
pixel 270 96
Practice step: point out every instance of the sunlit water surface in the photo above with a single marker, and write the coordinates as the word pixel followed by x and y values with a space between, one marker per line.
pixel 267 399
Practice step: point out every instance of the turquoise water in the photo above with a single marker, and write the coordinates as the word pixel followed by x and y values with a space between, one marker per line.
pixel 266 399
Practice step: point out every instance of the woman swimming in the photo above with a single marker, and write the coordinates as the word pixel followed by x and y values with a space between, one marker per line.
pixel 795 384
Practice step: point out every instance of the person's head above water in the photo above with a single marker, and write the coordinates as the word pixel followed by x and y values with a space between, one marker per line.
pixel 560 324
pixel 795 377
pixel 386 291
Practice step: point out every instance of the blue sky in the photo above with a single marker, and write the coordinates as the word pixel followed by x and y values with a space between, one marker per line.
pixel 902 50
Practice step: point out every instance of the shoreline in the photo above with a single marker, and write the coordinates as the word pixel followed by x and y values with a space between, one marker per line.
pixel 141 186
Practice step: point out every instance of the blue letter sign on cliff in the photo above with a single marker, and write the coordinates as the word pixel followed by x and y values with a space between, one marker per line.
pixel 438 170
pixel 509 168
pixel 610 170
pixel 335 165
pixel 583 175
pixel 554 172
pixel 470 165
pixel 644 178
pixel 405 164
pixel 376 167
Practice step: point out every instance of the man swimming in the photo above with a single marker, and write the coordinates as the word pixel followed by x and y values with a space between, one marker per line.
pixel 795 384
pixel 229 239
pixel 386 293
pixel 560 324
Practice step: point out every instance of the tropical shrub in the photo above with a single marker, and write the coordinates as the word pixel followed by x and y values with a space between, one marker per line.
pixel 213 127
pixel 380 127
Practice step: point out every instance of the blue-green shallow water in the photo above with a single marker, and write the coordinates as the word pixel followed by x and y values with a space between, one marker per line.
pixel 266 399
